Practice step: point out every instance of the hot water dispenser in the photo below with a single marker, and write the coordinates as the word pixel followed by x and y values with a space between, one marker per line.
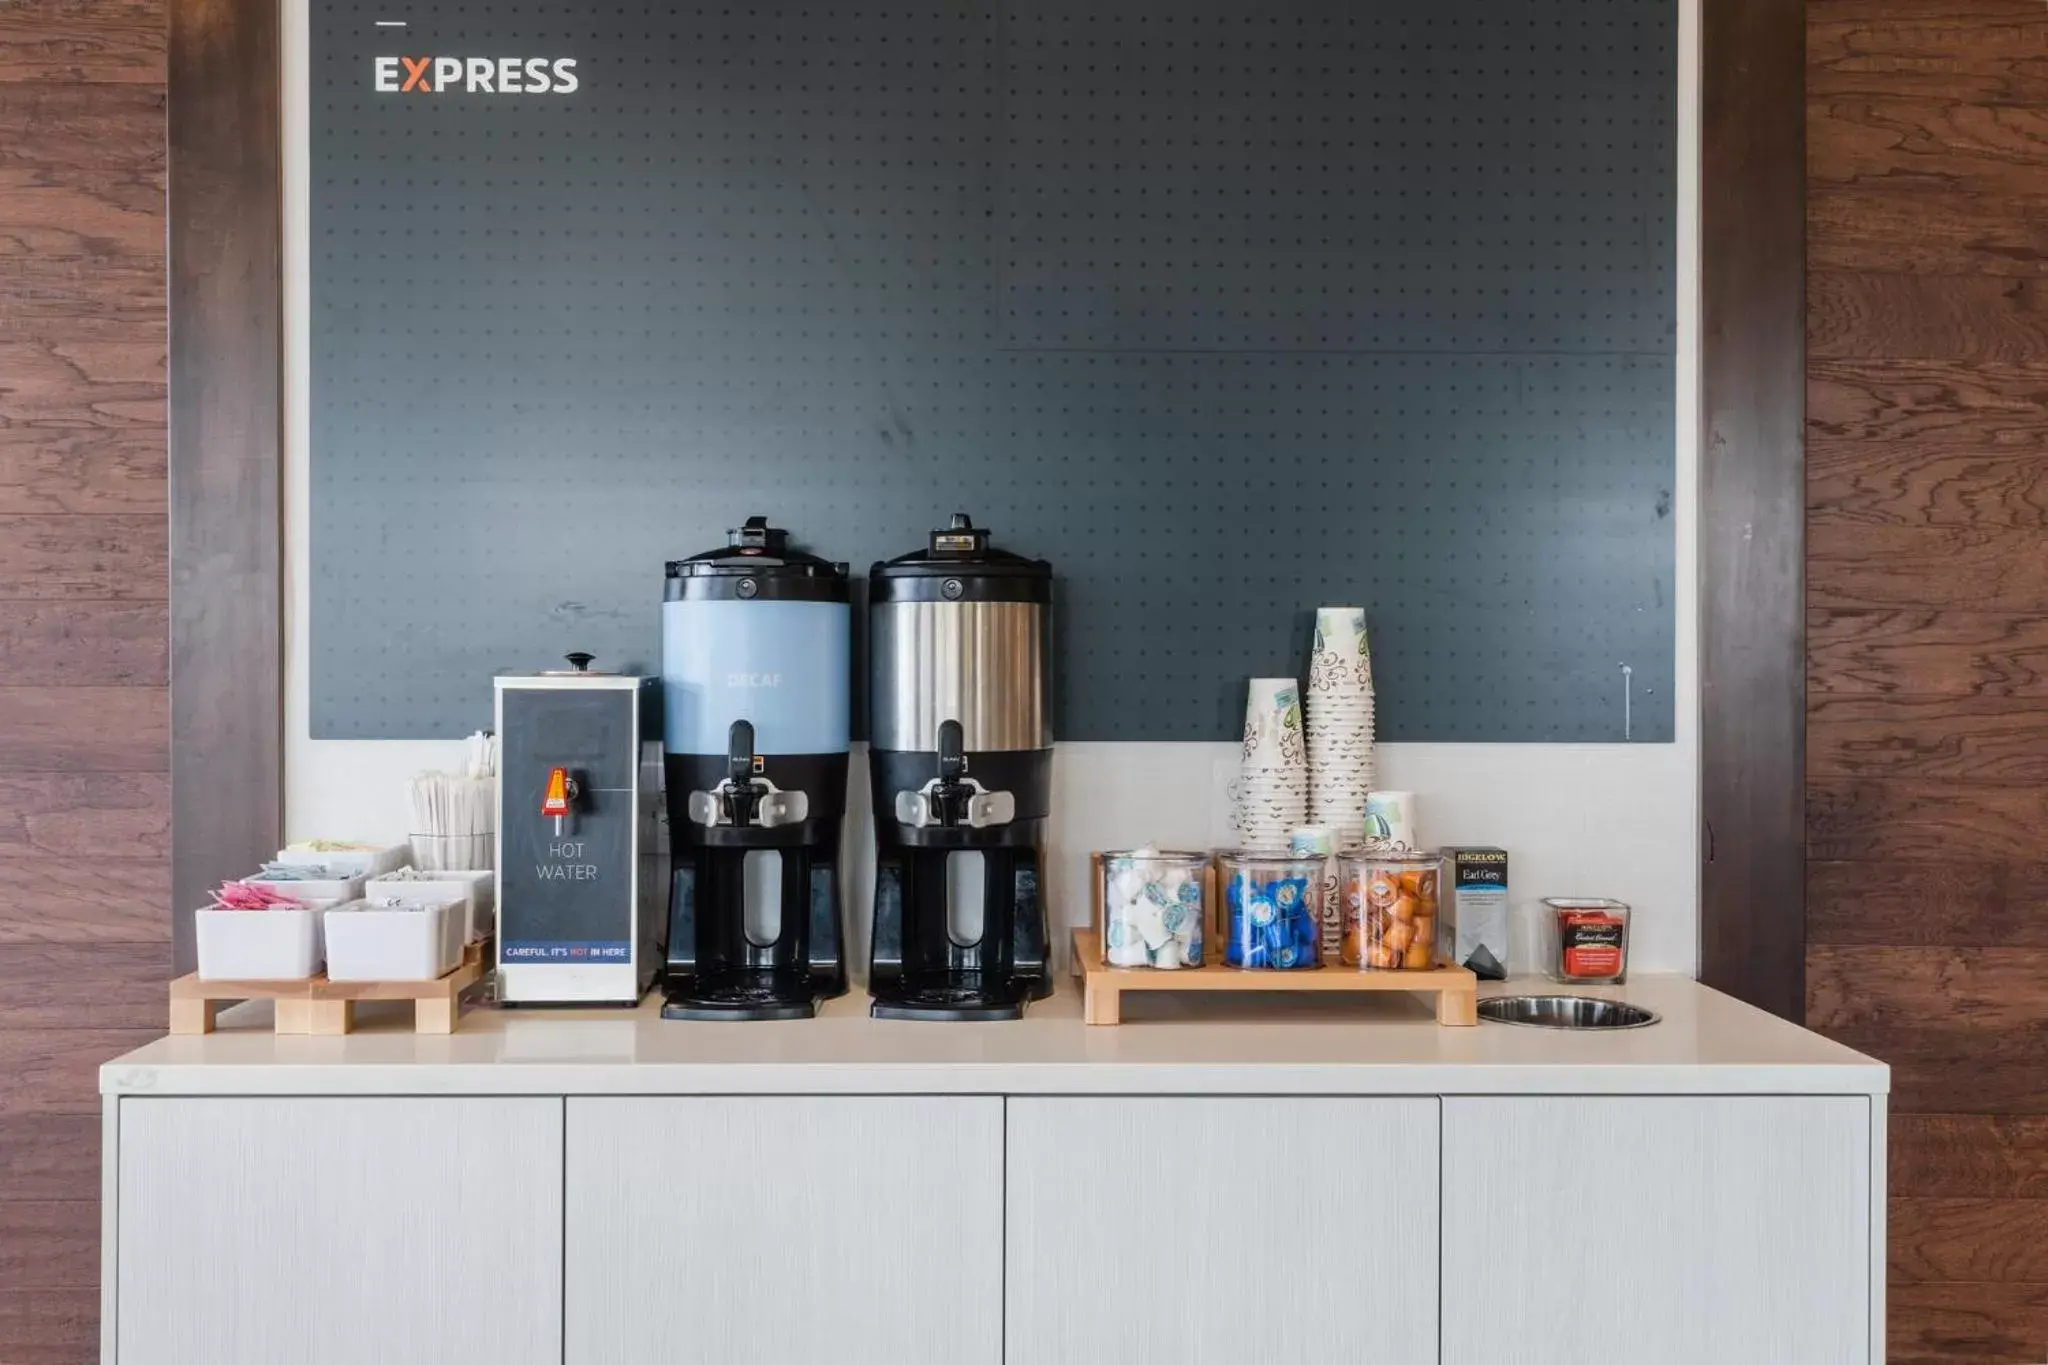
pixel 756 671
pixel 960 763
pixel 579 860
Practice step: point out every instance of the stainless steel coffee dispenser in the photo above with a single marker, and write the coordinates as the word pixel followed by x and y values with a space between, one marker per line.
pixel 960 760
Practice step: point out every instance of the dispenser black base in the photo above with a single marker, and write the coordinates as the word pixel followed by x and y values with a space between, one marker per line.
pixel 722 966
pixel 920 971
pixel 716 972
pixel 747 994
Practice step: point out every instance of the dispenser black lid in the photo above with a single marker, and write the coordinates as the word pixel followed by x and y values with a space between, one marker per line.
pixel 756 564
pixel 959 565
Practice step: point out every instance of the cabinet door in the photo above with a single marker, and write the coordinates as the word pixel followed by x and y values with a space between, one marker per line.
pixel 339 1231
pixel 1678 1229
pixel 1187 1231
pixel 777 1229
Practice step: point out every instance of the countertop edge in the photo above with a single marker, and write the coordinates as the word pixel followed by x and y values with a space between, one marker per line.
pixel 1707 1044
pixel 593 1079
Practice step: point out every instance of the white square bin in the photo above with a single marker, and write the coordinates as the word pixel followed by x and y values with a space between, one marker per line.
pixel 318 893
pixel 476 890
pixel 362 862
pixel 414 942
pixel 257 945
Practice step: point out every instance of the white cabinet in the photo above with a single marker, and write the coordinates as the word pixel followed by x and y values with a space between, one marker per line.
pixel 1666 1229
pixel 338 1231
pixel 979 1230
pixel 769 1230
pixel 1222 1231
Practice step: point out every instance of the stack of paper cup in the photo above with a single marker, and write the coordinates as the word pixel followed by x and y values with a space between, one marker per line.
pixel 1340 721
pixel 1270 798
pixel 1320 841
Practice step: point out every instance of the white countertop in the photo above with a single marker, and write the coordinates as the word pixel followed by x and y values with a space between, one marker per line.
pixel 1707 1043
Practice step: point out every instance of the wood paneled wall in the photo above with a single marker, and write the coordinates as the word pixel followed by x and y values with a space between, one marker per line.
pixel 84 784
pixel 1927 593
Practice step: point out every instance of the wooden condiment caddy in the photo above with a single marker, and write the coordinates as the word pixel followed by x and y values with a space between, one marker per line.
pixel 324 1008
pixel 1456 988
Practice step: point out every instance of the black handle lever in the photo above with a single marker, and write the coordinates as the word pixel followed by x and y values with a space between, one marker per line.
pixel 739 751
pixel 740 796
pixel 950 795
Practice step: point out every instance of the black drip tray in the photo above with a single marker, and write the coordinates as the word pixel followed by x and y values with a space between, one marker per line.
pixel 968 997
pixel 771 994
pixel 739 993
pixel 949 995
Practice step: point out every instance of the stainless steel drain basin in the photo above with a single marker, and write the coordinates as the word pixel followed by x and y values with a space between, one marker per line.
pixel 1565 1011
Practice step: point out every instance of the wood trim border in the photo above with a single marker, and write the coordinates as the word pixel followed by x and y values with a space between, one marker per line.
pixel 1753 502
pixel 226 447
pixel 227 639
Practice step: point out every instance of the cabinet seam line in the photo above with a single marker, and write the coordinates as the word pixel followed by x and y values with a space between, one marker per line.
pixel 562 1309
pixel 1003 1248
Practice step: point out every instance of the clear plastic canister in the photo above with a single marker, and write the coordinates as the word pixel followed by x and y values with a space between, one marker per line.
pixel 1151 908
pixel 1272 910
pixel 1389 911
pixel 1586 940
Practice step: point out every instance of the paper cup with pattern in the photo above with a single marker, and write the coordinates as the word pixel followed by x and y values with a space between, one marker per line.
pixel 1390 819
pixel 1272 725
pixel 1342 660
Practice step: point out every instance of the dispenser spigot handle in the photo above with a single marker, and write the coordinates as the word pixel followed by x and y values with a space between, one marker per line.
pixel 739 751
pixel 952 750
pixel 738 792
pixel 953 799
pixel 950 795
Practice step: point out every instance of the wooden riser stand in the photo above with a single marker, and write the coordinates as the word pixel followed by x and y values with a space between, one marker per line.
pixel 324 1008
pixel 1456 988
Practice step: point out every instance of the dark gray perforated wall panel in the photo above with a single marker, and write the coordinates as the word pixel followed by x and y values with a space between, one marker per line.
pixel 1227 309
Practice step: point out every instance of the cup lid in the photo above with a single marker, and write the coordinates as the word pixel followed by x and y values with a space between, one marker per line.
pixel 1269 856
pixel 1380 851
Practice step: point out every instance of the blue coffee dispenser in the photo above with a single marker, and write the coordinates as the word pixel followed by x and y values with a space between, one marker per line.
pixel 756 668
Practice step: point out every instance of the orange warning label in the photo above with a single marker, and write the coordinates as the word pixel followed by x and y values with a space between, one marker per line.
pixel 556 802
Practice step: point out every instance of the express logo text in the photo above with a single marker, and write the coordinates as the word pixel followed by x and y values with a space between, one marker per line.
pixel 476 75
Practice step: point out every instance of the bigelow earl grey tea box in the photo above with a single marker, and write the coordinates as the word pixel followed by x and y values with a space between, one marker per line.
pixel 1475 910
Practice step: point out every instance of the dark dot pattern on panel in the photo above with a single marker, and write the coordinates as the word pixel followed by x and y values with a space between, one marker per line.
pixel 1227 309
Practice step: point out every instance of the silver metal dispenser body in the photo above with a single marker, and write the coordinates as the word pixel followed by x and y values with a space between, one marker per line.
pixel 986 665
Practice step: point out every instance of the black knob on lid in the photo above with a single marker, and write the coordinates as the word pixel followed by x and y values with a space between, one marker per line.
pixel 756 536
pixel 580 661
pixel 961 537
